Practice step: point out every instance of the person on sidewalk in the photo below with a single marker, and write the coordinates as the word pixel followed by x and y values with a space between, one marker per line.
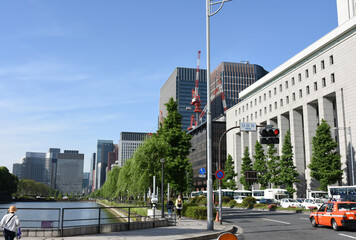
pixel 170 207
pixel 179 206
pixel 10 223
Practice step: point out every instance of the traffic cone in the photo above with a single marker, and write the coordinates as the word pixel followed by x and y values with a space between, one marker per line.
pixel 217 217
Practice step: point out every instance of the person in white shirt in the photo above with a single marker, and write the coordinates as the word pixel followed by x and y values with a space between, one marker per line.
pixel 10 223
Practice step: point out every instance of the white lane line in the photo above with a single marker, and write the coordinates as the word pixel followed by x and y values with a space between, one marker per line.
pixel 275 221
pixel 344 235
pixel 305 218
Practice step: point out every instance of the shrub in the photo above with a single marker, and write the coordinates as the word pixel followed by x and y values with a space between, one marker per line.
pixel 198 212
pixel 226 199
pixel 200 198
pixel 248 202
pixel 193 200
pixel 272 207
pixel 232 203
pixel 186 206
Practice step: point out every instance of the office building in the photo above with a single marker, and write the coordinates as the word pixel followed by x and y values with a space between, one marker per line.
pixel 128 143
pixel 102 153
pixel 69 177
pixel 113 157
pixel 92 179
pixel 34 167
pixel 51 166
pixel 234 77
pixel 317 83
pixel 179 86
pixel 197 155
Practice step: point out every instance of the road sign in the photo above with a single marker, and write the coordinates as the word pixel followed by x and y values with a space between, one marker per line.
pixel 219 174
pixel 202 171
pixel 202 175
pixel 248 126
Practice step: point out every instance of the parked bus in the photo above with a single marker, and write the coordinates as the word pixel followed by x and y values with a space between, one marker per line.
pixel 242 193
pixel 342 192
pixel 276 194
pixel 198 193
pixel 317 195
pixel 258 194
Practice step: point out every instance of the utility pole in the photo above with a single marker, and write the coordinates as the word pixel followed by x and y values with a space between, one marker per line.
pixel 210 221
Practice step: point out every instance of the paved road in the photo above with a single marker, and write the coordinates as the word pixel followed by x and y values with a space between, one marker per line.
pixel 281 226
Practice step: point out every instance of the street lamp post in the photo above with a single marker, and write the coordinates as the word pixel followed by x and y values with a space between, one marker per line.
pixel 210 221
pixel 162 186
pixel 348 131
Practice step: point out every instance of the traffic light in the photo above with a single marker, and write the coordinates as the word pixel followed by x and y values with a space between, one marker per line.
pixel 269 135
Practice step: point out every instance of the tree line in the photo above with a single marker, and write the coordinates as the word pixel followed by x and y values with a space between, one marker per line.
pixel 136 176
pixel 276 171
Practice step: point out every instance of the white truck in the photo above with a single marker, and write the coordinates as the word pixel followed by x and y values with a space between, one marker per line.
pixel 275 193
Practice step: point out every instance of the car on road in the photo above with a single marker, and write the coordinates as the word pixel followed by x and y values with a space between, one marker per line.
pixel 312 203
pixel 335 215
pixel 267 201
pixel 289 202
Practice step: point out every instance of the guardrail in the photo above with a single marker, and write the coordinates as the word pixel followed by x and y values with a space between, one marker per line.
pixel 87 220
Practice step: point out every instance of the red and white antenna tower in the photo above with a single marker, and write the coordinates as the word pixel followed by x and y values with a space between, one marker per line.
pixel 196 97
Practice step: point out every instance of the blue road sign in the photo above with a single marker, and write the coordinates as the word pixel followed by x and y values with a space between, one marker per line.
pixel 219 174
pixel 202 171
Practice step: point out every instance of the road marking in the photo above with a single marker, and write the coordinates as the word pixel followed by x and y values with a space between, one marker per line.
pixel 344 235
pixel 275 221
pixel 305 218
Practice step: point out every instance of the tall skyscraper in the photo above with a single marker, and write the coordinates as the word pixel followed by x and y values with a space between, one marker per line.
pixel 179 86
pixel 92 175
pixel 102 153
pixel 128 143
pixel 69 178
pixel 51 166
pixel 234 78
pixel 34 167
pixel 113 156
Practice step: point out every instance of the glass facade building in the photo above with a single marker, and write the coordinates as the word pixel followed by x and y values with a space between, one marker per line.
pixel 179 86
pixel 234 77
pixel 102 153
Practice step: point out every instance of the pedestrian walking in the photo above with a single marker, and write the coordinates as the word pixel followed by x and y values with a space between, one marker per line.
pixel 179 206
pixel 10 223
pixel 170 207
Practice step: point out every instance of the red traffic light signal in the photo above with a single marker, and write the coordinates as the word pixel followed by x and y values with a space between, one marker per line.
pixel 269 135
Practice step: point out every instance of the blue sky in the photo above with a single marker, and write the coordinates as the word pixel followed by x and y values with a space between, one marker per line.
pixel 75 71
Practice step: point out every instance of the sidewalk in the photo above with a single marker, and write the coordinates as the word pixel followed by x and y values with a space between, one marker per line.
pixel 185 229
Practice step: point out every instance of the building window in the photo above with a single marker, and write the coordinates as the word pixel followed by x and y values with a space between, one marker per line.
pixel 264 96
pixel 286 85
pixel 270 107
pixel 269 94
pixel 293 96
pixel 331 58
pixel 299 77
pixel 255 101
pixel 306 73
pixel 260 99
pixel 251 116
pixel 246 106
pixel 260 112
pixel 255 114
pixel 293 81
pixel 280 87
pixel 315 86
pixel 247 119
pixel 275 91
pixel 332 78
pixel 275 105
pixel 251 104
pixel 239 110
pixel 243 108
pixel 235 113
pixel 265 110
pixel 281 102
pixel 300 93
pixel 287 100
pixel 323 82
pixel 322 64
pixel 307 90
pixel 314 69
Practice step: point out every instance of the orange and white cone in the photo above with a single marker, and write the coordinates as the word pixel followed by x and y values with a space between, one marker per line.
pixel 217 217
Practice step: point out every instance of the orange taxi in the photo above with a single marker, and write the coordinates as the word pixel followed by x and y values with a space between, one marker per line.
pixel 335 214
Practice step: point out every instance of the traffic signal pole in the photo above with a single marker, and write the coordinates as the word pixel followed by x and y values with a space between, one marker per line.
pixel 219 151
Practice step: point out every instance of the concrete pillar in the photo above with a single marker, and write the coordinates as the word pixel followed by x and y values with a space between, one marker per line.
pixel 283 125
pixel 342 139
pixel 296 129
pixel 310 126
pixel 326 112
pixel 237 158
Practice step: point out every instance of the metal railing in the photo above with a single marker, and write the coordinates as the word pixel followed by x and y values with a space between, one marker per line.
pixel 62 218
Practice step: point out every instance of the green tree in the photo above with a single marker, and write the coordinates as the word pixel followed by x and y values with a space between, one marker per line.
pixel 177 163
pixel 229 180
pixel 246 166
pixel 273 165
pixel 325 164
pixel 288 173
pixel 8 181
pixel 260 166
